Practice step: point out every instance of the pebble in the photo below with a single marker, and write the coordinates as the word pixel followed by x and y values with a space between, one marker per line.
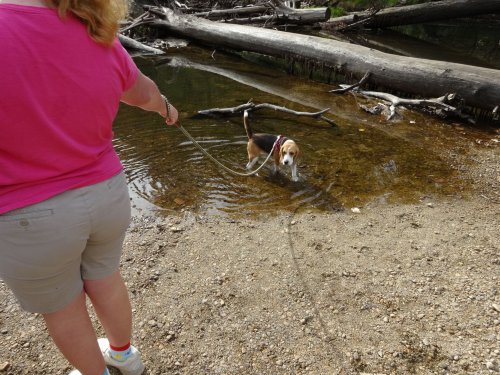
pixel 4 366
pixel 495 307
pixel 492 365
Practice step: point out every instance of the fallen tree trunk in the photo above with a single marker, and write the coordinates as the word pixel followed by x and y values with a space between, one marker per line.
pixel 301 16
pixel 479 87
pixel 277 14
pixel 218 14
pixel 419 13
pixel 130 43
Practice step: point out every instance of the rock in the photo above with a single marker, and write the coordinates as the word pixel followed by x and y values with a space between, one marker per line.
pixel 4 366
pixel 495 307
pixel 492 365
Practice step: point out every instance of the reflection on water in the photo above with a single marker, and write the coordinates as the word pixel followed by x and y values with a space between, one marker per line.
pixel 473 41
pixel 362 160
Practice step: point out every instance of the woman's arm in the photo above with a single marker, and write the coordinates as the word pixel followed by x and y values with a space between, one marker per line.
pixel 145 94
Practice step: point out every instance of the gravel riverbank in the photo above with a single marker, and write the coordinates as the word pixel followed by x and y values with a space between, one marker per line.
pixel 393 289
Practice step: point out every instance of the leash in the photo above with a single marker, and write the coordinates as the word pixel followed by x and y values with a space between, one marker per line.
pixel 186 133
pixel 328 339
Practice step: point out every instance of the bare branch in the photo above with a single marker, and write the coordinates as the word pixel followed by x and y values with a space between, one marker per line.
pixel 349 88
pixel 255 107
pixel 437 106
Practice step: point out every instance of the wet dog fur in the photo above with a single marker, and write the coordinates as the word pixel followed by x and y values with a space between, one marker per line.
pixel 285 152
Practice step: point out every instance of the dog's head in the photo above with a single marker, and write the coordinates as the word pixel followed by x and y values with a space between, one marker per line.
pixel 289 152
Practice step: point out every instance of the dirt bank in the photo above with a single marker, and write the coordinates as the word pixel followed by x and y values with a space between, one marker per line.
pixel 407 289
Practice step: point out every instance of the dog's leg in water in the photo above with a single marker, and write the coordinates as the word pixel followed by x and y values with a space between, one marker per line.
pixel 295 177
pixel 275 168
pixel 252 162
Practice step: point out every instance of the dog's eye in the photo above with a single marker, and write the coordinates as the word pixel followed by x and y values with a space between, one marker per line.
pixel 291 153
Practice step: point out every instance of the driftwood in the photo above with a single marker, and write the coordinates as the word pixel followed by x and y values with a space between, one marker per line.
pixel 308 16
pixel 349 88
pixel 250 106
pixel 133 44
pixel 271 13
pixel 218 14
pixel 280 17
pixel 442 106
pixel 412 14
pixel 479 87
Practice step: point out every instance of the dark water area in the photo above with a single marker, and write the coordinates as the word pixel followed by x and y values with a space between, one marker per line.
pixel 474 41
pixel 363 159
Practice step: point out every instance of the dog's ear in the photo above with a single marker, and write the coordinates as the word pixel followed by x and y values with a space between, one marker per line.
pixel 282 154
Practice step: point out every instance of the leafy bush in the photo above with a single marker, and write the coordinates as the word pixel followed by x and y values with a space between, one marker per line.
pixel 358 5
pixel 337 12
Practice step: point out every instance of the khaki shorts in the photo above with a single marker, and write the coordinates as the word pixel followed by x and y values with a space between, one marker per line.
pixel 49 248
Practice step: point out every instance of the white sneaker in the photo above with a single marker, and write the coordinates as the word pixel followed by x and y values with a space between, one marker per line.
pixel 132 366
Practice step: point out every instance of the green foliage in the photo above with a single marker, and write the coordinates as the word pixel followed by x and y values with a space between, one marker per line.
pixel 358 5
pixel 338 12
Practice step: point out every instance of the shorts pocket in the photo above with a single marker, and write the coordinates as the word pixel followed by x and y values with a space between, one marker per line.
pixel 25 214
pixel 117 182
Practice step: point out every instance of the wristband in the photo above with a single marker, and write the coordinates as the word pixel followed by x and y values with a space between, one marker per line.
pixel 167 104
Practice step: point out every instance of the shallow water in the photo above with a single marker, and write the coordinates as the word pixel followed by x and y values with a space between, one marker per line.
pixel 361 160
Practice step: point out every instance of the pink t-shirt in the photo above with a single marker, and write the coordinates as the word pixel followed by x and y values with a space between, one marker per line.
pixel 59 95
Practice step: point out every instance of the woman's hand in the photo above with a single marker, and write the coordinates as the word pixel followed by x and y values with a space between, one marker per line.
pixel 172 115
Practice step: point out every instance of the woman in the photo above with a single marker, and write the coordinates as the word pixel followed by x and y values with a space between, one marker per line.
pixel 64 204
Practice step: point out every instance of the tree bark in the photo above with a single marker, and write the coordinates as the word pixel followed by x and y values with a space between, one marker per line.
pixel 308 16
pixel 479 87
pixel 130 43
pixel 419 13
pixel 218 14
pixel 277 14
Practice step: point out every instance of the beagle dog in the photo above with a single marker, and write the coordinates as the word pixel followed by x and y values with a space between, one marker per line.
pixel 285 151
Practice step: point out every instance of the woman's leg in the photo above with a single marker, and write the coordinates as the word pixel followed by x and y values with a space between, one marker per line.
pixel 72 331
pixel 110 299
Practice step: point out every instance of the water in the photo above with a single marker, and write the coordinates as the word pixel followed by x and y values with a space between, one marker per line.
pixel 362 160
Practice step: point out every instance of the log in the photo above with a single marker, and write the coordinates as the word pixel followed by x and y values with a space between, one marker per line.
pixel 133 44
pixel 278 14
pixel 307 16
pixel 419 13
pixel 479 87
pixel 218 14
